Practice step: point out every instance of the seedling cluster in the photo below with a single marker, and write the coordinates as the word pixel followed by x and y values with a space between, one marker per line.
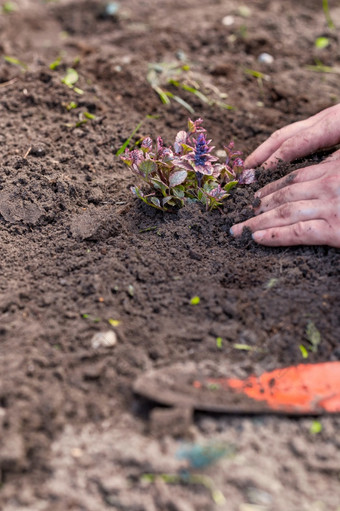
pixel 187 171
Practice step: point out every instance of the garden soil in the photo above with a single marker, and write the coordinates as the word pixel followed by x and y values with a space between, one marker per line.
pixel 81 256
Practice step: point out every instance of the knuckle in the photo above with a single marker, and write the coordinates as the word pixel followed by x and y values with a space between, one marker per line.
pixel 298 229
pixel 284 211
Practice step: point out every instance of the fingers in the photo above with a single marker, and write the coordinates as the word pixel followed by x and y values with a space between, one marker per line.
pixel 298 176
pixel 334 156
pixel 293 193
pixel 272 144
pixel 299 139
pixel 311 232
pixel 283 215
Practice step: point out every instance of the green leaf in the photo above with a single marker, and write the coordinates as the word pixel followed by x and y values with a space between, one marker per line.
pixel 71 77
pixel 321 42
pixel 177 178
pixel 255 74
pixel 55 63
pixel 316 427
pixel 9 7
pixel 127 142
pixel 183 103
pixel 313 336
pixel 329 20
pixel 155 202
pixel 219 342
pixel 114 322
pixel 304 351
pixel 159 185
pixel 15 61
pixel 147 167
pixel 244 347
pixel 195 300
pixel 89 116
pixel 71 105
pixel 229 186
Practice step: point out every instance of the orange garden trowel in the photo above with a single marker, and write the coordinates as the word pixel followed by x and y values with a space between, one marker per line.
pixel 305 389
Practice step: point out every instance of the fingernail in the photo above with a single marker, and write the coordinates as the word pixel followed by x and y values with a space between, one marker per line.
pixel 258 235
pixel 257 195
pixel 231 231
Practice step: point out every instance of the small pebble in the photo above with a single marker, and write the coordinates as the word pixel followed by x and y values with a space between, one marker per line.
pixel 104 339
pixel 227 21
pixel 265 58
pixel 112 9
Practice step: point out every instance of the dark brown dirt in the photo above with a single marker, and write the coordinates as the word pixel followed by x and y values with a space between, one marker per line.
pixel 77 250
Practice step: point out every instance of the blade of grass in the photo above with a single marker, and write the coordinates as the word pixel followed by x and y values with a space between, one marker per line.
pixel 327 13
pixel 127 142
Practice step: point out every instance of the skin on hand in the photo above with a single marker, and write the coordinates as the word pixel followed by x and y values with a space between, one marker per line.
pixel 299 139
pixel 302 208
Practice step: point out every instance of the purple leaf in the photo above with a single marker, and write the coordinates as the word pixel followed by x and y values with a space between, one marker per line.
pixel 181 138
pixel 247 177
pixel 177 178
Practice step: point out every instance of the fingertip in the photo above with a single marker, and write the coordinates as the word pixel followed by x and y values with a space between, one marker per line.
pixel 258 236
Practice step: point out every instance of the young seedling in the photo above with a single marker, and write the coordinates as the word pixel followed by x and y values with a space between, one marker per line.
pixel 187 171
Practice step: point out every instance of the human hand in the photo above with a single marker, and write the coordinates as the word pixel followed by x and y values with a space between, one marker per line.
pixel 302 208
pixel 299 139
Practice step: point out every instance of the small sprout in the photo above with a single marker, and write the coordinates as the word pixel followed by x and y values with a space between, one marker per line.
pixel 213 386
pixel 71 106
pixel 244 11
pixel 304 351
pixel 71 77
pixel 219 342
pixel 55 63
pixel 89 116
pixel 78 91
pixel 85 316
pixel 128 140
pixel 321 42
pixel 244 347
pixel 15 61
pixel 131 290
pixel 327 14
pixel 114 322
pixel 195 300
pixel 9 7
pixel 316 427
pixel 313 335
pixel 271 283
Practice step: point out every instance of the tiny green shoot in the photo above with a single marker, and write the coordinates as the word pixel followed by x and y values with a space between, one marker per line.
pixel 114 322
pixel 319 67
pixel 89 116
pixel 304 351
pixel 219 341
pixel 71 77
pixel 313 335
pixel 128 140
pixel 195 300
pixel 55 63
pixel 321 42
pixel 15 61
pixel 71 106
pixel 9 7
pixel 244 347
pixel 271 283
pixel 327 13
pixel 316 427
pixel 216 495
